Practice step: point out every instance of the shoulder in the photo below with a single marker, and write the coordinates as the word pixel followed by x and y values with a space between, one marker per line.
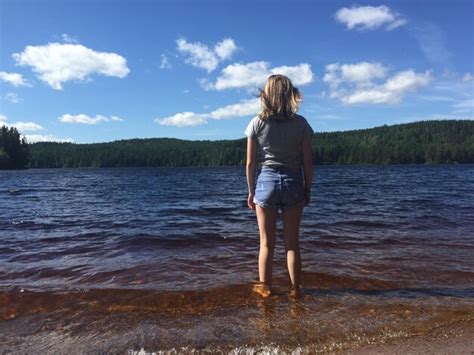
pixel 304 125
pixel 299 118
pixel 252 127
pixel 255 122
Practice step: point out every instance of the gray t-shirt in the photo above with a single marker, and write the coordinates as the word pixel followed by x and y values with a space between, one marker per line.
pixel 279 141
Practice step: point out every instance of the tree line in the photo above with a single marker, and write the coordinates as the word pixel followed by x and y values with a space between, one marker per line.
pixel 424 142
pixel 13 149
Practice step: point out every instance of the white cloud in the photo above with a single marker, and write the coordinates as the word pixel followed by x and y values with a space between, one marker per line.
pixel 57 63
pixel 21 126
pixel 468 77
pixel 69 39
pixel 242 109
pixel 363 72
pixel 13 98
pixel 85 119
pixel 360 83
pixel 241 75
pixel 369 17
pixel 201 56
pixel 256 73
pixel 27 126
pixel 188 119
pixel 407 80
pixel 34 138
pixel 183 119
pixel 205 84
pixel 360 74
pixel 198 55
pixel 225 48
pixel 13 78
pixel 164 62
pixel 299 74
pixel 31 127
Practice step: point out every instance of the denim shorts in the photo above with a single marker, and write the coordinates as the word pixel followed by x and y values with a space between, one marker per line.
pixel 279 187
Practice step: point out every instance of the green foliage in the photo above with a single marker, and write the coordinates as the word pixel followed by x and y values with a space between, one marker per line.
pixel 420 142
pixel 425 142
pixel 13 149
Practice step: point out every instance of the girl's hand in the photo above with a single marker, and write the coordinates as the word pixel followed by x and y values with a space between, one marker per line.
pixel 250 202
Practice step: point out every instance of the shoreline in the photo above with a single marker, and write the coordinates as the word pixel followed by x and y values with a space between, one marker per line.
pixel 456 338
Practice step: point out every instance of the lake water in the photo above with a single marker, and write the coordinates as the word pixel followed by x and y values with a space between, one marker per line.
pixel 122 259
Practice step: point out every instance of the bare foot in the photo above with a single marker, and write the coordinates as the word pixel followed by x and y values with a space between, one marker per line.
pixel 295 291
pixel 262 289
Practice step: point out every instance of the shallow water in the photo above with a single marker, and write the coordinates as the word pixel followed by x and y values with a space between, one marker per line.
pixel 164 258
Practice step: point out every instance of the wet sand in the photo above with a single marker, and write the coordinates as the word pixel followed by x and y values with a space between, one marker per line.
pixel 453 339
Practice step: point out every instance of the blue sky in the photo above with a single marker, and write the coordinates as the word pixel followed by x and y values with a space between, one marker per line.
pixel 97 71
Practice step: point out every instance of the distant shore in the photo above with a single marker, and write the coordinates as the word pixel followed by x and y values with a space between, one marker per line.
pixel 424 142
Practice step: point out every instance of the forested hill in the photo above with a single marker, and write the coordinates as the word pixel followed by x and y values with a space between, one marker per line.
pixel 447 141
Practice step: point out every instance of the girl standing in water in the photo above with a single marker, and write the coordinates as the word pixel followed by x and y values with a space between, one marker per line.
pixel 279 145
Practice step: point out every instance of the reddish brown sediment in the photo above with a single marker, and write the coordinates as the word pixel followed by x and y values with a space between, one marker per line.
pixel 16 304
pixel 222 318
pixel 332 281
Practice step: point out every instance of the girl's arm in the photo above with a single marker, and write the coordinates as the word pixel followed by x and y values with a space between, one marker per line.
pixel 250 170
pixel 307 167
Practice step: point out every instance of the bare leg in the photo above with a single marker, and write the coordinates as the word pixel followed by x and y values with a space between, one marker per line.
pixel 291 230
pixel 266 218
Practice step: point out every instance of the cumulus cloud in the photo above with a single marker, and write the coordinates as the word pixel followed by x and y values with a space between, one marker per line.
pixel 85 119
pixel 360 83
pixel 299 74
pixel 256 73
pixel 57 63
pixel 13 98
pixel 202 56
pixel 242 109
pixel 370 17
pixel 32 127
pixel 225 48
pixel 241 75
pixel 183 119
pixel 13 78
pixel 361 73
pixel 21 126
pixel 34 138
pixel 189 119
pixel 27 126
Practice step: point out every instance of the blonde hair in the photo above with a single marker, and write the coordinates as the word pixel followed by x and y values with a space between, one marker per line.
pixel 279 98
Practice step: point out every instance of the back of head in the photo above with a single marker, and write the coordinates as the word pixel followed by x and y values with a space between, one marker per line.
pixel 279 98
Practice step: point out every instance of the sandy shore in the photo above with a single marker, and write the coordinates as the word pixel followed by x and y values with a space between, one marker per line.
pixel 455 339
